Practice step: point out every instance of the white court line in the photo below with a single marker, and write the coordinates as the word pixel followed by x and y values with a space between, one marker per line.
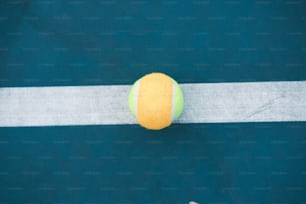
pixel 204 103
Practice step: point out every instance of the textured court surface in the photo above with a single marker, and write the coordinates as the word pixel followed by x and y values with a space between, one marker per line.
pixel 74 43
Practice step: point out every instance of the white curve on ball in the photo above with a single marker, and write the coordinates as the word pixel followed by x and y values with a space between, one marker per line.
pixel 173 100
pixel 136 93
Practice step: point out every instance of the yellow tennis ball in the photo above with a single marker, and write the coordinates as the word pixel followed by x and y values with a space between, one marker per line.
pixel 156 100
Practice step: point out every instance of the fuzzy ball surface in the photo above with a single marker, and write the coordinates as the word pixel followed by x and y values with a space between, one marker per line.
pixel 156 100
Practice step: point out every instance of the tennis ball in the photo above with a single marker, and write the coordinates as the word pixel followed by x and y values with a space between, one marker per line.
pixel 156 100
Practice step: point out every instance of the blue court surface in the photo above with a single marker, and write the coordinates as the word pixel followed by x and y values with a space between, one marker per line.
pixel 54 43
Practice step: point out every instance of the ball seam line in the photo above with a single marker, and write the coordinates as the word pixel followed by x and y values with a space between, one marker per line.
pixel 173 100
pixel 136 99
